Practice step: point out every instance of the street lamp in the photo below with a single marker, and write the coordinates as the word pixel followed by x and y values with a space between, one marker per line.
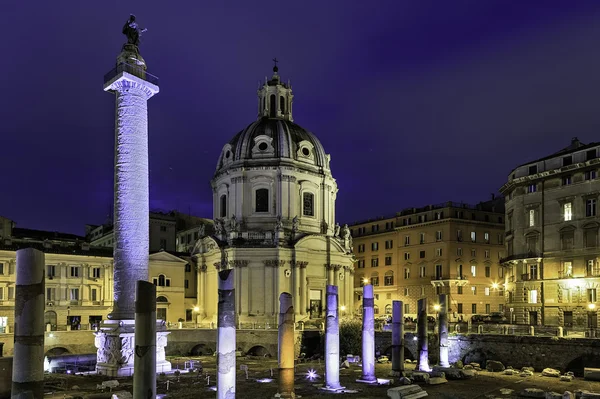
pixel 591 306
pixel 343 309
pixel 495 286
pixel 196 310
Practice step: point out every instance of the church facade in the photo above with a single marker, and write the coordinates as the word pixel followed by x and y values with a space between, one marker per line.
pixel 274 212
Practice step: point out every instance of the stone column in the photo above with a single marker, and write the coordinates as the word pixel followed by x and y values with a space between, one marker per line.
pixel 131 201
pixel 296 288
pixel 28 355
pixel 202 292
pixel 332 341
pixel 423 360
pixel 303 290
pixel 286 346
pixel 397 339
pixel 368 336
pixel 443 330
pixel 144 377
pixel 133 87
pixel 226 343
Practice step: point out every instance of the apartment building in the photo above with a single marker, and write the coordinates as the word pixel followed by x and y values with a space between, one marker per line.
pixel 450 248
pixel 552 270
pixel 79 283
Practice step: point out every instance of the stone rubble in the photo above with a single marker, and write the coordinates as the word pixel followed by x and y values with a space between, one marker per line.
pixel 406 392
pixel 591 374
pixel 493 366
pixel 549 372
pixel 533 393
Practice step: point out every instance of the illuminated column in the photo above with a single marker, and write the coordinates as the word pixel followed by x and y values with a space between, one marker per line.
pixel 303 290
pixel 443 330
pixel 226 344
pixel 423 360
pixel 131 201
pixel 332 341
pixel 144 377
pixel 397 339
pixel 296 287
pixel 202 291
pixel 28 357
pixel 368 336
pixel 351 304
pixel 286 346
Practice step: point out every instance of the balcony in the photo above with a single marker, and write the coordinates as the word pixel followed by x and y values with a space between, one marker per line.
pixel 133 70
pixel 528 255
pixel 442 280
pixel 592 273
pixel 529 277
pixel 565 274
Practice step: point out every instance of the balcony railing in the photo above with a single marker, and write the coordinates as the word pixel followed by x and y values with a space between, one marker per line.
pixel 446 277
pixel 132 69
pixel 529 277
pixel 593 273
pixel 565 274
pixel 527 255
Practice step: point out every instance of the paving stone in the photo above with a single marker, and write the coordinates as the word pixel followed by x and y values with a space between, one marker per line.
pixel 553 395
pixel 566 378
pixel 437 381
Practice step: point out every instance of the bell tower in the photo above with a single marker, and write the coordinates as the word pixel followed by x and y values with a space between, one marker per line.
pixel 275 98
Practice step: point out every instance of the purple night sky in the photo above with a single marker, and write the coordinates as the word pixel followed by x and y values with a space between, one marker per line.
pixel 416 101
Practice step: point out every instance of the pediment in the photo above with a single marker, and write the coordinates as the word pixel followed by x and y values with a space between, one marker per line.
pixel 321 243
pixel 163 256
pixel 473 261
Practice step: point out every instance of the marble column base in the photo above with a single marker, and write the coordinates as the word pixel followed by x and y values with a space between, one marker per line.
pixel 115 341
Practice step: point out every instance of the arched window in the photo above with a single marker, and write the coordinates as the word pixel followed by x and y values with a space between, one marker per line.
pixel 262 200
pixel 223 206
pixel 375 309
pixel 162 299
pixel 388 309
pixel 282 104
pixel 361 278
pixel 375 279
pixel 161 280
pixel 389 278
pixel 308 202
pixel 273 106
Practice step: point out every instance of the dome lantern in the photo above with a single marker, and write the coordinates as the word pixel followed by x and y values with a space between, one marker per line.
pixel 275 98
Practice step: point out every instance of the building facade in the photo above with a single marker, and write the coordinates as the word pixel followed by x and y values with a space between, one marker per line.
pixel 419 253
pixel 79 279
pixel 552 271
pixel 274 211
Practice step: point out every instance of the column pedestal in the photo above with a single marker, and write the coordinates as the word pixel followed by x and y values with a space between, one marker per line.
pixel 115 341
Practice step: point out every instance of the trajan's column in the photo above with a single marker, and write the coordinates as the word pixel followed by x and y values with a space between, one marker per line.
pixel 132 87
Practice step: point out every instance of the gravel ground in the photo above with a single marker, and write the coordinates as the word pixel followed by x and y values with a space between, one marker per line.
pixel 484 385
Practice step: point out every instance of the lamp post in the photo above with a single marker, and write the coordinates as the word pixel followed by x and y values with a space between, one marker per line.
pixel 343 309
pixel 196 310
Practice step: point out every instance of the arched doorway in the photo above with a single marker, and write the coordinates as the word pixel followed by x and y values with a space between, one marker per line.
pixel 162 303
pixel 50 318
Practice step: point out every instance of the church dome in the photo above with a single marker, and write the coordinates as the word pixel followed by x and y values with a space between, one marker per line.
pixel 273 139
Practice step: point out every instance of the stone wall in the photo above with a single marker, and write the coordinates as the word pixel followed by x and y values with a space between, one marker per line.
pixel 570 354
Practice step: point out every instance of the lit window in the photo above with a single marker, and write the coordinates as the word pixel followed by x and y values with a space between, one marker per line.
pixel 406 274
pixel 473 236
pixel 487 291
pixel 531 217
pixel 486 238
pixel 474 290
pixel 533 296
pixel 407 240
pixel 473 270
pixel 422 271
pixel 567 210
